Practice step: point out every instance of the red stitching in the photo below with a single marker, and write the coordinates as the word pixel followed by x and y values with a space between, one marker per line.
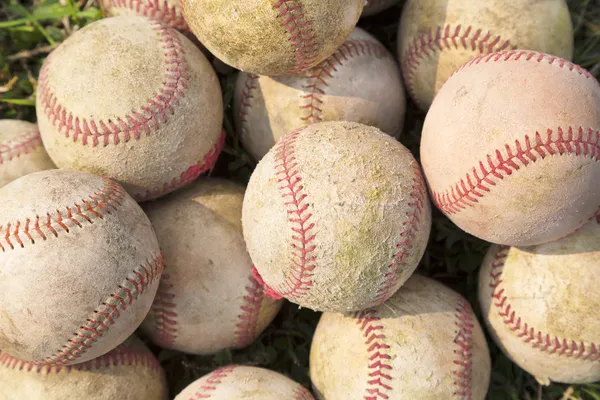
pixel 544 342
pixel 476 184
pixel 189 175
pixel 464 341
pixel 143 121
pixel 122 355
pixel 152 9
pixel 301 393
pixel 212 381
pixel 418 197
pixel 250 311
pixel 379 382
pixel 23 144
pixel 245 102
pixel 446 38
pixel 317 79
pixel 163 307
pixel 301 34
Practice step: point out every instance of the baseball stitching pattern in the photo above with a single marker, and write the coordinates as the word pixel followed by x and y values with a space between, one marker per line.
pixel 544 342
pixel 379 382
pixel 464 342
pixel 152 9
pixel 301 393
pixel 250 85
pixel 143 121
pixel 300 33
pixel 446 38
pixel 317 76
pixel 24 144
pixel 212 381
pixel 418 197
pixel 165 316
pixel 250 311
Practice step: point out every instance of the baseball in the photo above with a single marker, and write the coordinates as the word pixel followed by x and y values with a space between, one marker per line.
pixel 541 305
pixel 21 150
pixel 435 37
pixel 510 147
pixel 280 37
pixel 248 383
pixel 144 107
pixel 360 82
pixel 373 7
pixel 167 11
pixel 129 372
pixel 423 343
pixel 207 299
pixel 80 266
pixel 336 217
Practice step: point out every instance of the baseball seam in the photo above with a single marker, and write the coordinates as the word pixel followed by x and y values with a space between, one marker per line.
pixel 118 357
pixel 212 381
pixel 537 339
pixel 300 33
pixel 464 341
pixel 250 311
pixel 317 78
pixel 250 85
pixel 164 309
pixel 26 143
pixel 379 381
pixel 445 38
pixel 152 9
pixel 418 197
pixel 301 393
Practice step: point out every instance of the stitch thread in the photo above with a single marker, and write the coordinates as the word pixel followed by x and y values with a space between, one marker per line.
pixel 418 197
pixel 24 144
pixel 250 311
pixel 163 307
pixel 152 9
pixel 245 102
pixel 464 341
pixel 300 31
pixel 446 38
pixel 146 119
pixel 212 381
pixel 544 342
pixel 379 382
pixel 301 393
pixel 317 78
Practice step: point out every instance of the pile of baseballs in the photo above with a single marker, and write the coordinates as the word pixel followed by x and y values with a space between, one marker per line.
pixel 106 227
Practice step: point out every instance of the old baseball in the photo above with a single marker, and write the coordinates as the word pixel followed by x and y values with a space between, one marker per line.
pixel 510 147
pixel 144 107
pixel 373 7
pixel 423 343
pixel 336 217
pixel 279 37
pixel 541 305
pixel 248 383
pixel 435 37
pixel 166 11
pixel 207 299
pixel 360 82
pixel 129 372
pixel 80 266
pixel 21 150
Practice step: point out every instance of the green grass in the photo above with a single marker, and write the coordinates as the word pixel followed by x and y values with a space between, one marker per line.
pixel 30 29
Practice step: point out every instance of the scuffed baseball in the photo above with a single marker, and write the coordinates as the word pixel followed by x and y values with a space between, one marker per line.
pixel 510 147
pixel 336 217
pixel 166 11
pixel 144 107
pixel 541 305
pixel 280 37
pixel 435 37
pixel 373 7
pixel 423 343
pixel 207 300
pixel 21 150
pixel 244 382
pixel 129 372
pixel 80 266
pixel 360 82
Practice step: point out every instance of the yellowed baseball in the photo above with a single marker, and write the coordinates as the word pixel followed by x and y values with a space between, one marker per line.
pixel 515 169
pixel 541 305
pixel 144 107
pixel 336 217
pixel 360 82
pixel 21 150
pixel 129 372
pixel 277 37
pixel 208 299
pixel 373 7
pixel 424 343
pixel 80 266
pixel 435 37
pixel 244 382
pixel 166 11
